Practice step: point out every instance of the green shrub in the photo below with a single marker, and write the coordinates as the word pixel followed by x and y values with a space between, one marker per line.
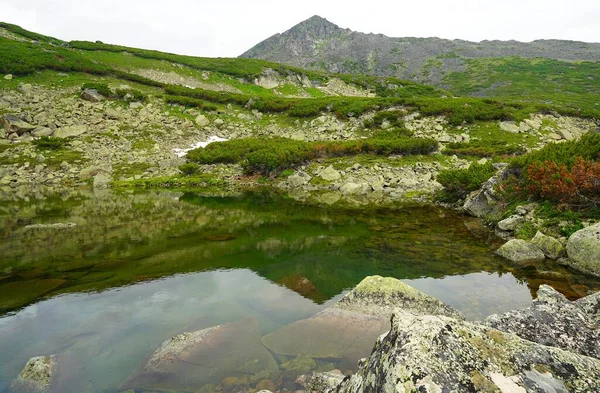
pixel 189 168
pixel 101 88
pixel 273 155
pixel 130 95
pixel 482 149
pixel 458 183
pixel 49 142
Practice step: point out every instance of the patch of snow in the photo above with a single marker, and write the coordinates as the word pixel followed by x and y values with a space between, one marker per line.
pixel 182 152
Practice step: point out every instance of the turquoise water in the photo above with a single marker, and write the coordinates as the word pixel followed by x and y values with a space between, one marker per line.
pixel 135 269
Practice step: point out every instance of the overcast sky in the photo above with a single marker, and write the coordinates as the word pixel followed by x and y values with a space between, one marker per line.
pixel 228 28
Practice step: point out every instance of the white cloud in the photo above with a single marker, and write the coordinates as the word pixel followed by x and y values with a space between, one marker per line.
pixel 228 28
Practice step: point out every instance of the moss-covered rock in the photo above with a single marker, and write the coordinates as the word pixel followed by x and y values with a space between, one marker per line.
pixel 551 247
pixel 583 249
pixel 517 250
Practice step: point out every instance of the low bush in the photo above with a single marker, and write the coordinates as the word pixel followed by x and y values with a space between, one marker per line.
pixel 49 142
pixel 458 183
pixel 101 88
pixel 130 95
pixel 271 156
pixel 189 168
pixel 482 149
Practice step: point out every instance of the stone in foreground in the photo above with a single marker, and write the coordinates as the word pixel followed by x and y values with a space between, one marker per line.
pixel 36 376
pixel 348 329
pixel 583 249
pixel 430 354
pixel 517 250
pixel 189 360
pixel 554 321
pixel 13 124
pixel 92 95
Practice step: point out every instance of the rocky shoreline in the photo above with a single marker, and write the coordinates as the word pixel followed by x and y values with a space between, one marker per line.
pixel 553 346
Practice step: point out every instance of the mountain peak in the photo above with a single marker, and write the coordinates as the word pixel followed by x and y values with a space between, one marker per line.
pixel 317 25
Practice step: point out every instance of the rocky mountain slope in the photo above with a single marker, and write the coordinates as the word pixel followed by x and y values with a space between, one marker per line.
pixel 319 44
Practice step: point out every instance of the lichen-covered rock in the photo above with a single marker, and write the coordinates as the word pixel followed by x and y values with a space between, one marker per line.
pixel 330 174
pixel 381 296
pixel 517 250
pixel 189 360
pixel 348 329
pixel 554 321
pixel 69 131
pixel 483 202
pixel 583 249
pixel 511 223
pixel 13 124
pixel 430 354
pixel 550 246
pixel 92 95
pixel 36 376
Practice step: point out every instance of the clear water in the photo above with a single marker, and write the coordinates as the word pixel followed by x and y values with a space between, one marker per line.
pixel 140 268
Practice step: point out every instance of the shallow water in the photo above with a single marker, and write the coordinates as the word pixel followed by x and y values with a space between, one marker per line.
pixel 139 268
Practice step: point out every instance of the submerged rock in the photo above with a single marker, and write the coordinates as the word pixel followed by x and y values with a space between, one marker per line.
pixel 553 321
pixel 189 360
pixel 583 249
pixel 440 354
pixel 517 250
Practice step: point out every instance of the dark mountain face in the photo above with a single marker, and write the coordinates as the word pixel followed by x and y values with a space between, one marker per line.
pixel 319 44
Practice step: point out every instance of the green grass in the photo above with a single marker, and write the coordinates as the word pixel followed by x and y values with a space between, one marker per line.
pixel 458 183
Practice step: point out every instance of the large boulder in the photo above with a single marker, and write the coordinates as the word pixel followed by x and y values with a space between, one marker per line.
pixel 330 174
pixel 70 131
pixel 13 124
pixel 550 246
pixel 427 354
pixel 352 188
pixel 381 296
pixel 583 249
pixel 517 250
pixel 202 121
pixel 554 321
pixel 511 223
pixel 348 329
pixel 92 95
pixel 189 360
pixel 483 202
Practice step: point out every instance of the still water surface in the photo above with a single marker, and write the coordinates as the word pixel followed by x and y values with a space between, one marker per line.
pixel 137 269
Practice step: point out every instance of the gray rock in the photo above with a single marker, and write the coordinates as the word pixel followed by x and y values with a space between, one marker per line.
pixel 25 88
pixel 350 189
pixel 8 77
pixel 583 249
pixel 330 174
pixel 509 126
pixel 380 296
pixel 135 105
pixel 348 329
pixel 483 202
pixel 42 131
pixel 70 131
pixel 219 122
pixel 299 179
pixel 511 223
pixel 437 354
pixel 13 124
pixel 102 180
pixel 518 250
pixel 92 95
pixel 553 321
pixel 202 121
pixel 550 246
pixel 112 114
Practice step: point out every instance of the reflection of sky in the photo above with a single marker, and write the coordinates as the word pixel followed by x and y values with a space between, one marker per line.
pixel 112 331
pixel 477 295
